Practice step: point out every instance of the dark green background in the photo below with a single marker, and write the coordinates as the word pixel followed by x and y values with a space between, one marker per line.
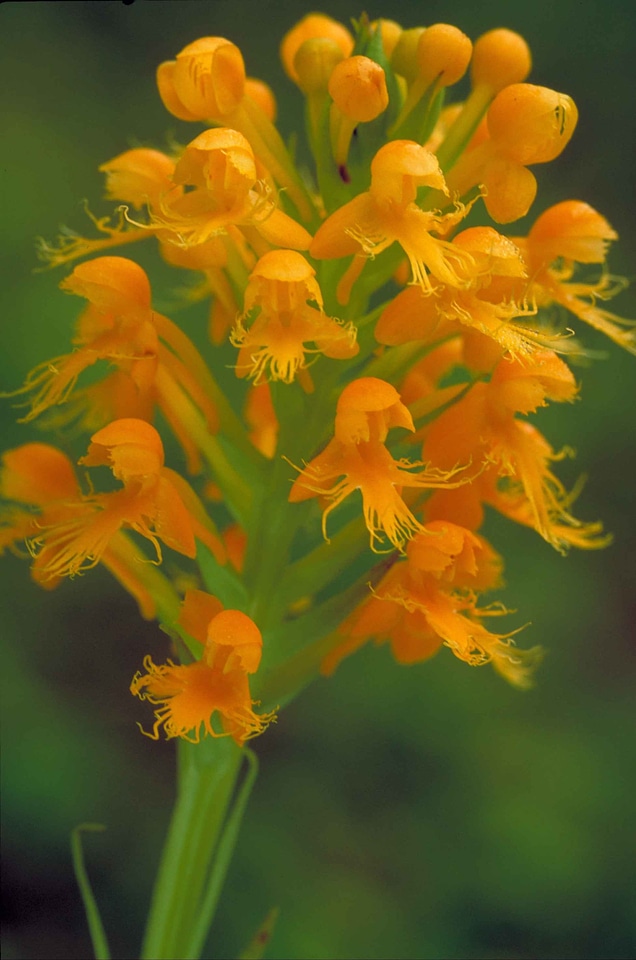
pixel 414 813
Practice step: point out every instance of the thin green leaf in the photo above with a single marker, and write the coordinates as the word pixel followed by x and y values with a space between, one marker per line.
pixel 95 925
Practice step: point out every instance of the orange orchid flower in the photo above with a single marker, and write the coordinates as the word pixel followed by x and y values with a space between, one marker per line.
pixel 155 362
pixel 486 305
pixel 429 600
pixel 207 81
pixel 281 290
pixel 154 501
pixel 367 409
pixel 563 236
pixel 526 124
pixel 387 213
pixel 190 696
pixel 483 427
pixel 40 482
pixel 221 167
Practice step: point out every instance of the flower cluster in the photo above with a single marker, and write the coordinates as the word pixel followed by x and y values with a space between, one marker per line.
pixel 364 315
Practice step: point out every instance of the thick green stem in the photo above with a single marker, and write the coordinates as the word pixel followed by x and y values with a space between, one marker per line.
pixel 207 776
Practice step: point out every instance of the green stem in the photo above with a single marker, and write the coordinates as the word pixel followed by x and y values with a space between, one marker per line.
pixel 464 126
pixel 222 860
pixel 316 635
pixel 326 562
pixel 207 778
pixel 237 491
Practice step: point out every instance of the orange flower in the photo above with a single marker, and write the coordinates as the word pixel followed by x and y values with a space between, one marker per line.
pixel 527 124
pixel 276 343
pixel 190 695
pixel 139 177
pixel 221 166
pixel 154 501
pixel 207 82
pixel 387 213
pixel 367 409
pixel 566 234
pixel 429 600
pixel 482 427
pixel 42 478
pixel 486 305
pixel 154 360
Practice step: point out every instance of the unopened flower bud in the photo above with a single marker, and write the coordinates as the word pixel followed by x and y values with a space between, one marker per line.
pixel 531 124
pixel 443 54
pixel 207 80
pixel 313 26
pixel 500 57
pixel 358 88
pixel 314 63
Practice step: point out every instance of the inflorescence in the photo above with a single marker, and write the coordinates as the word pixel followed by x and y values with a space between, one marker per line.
pixel 387 356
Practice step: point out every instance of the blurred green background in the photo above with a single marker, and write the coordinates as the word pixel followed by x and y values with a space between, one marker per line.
pixel 428 812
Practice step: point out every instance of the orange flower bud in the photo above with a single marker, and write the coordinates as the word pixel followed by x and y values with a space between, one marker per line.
pixel 314 25
pixel 443 54
pixel 262 95
pixel 531 124
pixel 500 57
pixel 358 88
pixel 314 63
pixel 207 80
